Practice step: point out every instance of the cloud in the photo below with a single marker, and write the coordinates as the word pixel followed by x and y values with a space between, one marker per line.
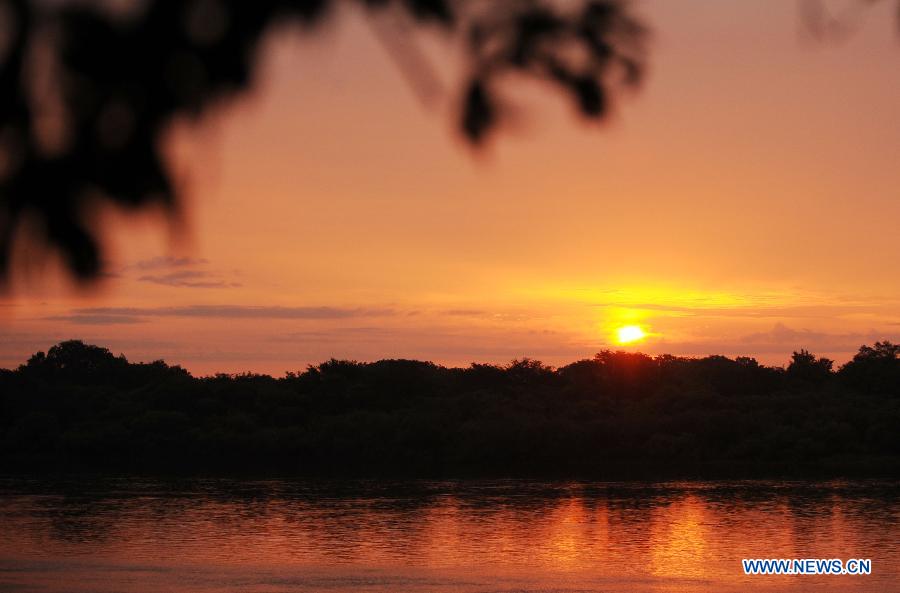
pixel 783 335
pixel 180 272
pixel 503 316
pixel 748 311
pixel 188 279
pixel 97 319
pixel 167 262
pixel 109 315
pixel 453 345
pixel 781 339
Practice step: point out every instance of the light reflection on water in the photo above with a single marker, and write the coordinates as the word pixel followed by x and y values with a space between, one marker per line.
pixel 280 535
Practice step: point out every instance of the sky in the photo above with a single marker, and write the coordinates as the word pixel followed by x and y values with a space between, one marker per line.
pixel 744 201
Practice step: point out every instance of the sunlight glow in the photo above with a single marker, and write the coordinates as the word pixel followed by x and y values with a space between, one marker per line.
pixel 630 333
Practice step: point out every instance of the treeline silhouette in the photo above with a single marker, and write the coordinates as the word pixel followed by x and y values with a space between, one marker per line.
pixel 618 414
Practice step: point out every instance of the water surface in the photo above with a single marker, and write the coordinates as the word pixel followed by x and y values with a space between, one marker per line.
pixel 134 534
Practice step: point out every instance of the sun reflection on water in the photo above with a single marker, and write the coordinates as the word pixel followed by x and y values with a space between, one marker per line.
pixel 443 536
pixel 679 539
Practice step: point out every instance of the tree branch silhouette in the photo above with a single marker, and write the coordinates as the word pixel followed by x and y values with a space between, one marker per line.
pixel 86 92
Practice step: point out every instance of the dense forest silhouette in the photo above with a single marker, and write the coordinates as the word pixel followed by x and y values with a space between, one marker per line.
pixel 78 406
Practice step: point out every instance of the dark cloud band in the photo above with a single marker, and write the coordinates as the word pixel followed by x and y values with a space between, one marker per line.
pixel 117 315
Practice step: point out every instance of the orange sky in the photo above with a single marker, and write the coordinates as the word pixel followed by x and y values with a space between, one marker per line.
pixel 745 201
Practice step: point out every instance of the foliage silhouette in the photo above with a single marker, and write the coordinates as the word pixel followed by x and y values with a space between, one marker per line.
pixel 805 366
pixel 87 89
pixel 617 414
pixel 118 79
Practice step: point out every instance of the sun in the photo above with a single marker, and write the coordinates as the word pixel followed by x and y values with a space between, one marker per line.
pixel 630 333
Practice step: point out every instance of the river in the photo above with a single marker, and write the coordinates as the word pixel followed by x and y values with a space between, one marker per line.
pixel 126 534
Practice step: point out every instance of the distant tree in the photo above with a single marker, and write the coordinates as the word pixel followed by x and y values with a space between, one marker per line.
pixel 75 362
pixel 528 371
pixel 73 355
pixel 627 373
pixel 883 352
pixel 805 366
pixel 875 369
